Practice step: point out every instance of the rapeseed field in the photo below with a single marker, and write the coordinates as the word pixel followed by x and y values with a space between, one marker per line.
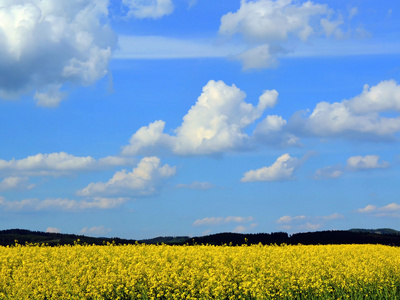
pixel 200 272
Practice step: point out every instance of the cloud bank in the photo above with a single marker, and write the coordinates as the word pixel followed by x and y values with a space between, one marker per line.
pixel 45 45
pixel 266 26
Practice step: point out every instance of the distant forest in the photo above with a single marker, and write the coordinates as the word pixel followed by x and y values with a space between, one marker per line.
pixel 383 236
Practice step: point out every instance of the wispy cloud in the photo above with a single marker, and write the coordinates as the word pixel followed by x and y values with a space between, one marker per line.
pixel 212 221
pixel 389 210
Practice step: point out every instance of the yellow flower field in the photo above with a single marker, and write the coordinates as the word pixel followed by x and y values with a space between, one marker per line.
pixel 200 272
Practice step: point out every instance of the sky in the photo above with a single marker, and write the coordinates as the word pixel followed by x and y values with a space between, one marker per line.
pixel 145 118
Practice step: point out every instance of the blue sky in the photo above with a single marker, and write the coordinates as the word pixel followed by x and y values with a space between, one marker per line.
pixel 144 118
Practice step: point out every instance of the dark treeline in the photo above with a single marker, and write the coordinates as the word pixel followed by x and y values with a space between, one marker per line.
pixel 385 237
pixel 353 236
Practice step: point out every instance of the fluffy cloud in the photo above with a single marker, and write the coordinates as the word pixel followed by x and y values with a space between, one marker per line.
pixel 59 163
pixel 359 117
pixel 61 204
pixel 45 45
pixel 214 124
pixel 144 180
pixel 266 25
pixel 221 220
pixel 281 169
pixel 153 9
pixel 15 183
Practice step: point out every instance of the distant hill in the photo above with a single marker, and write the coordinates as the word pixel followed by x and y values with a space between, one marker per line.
pixel 8 237
pixel 385 236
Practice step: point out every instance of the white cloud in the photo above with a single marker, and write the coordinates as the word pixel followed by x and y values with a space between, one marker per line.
pixel 281 169
pixel 365 163
pixel 95 230
pixel 53 230
pixel 368 209
pixel 144 180
pixel 58 163
pixel 15 183
pixel 196 185
pixel 289 219
pixel 153 9
pixel 212 221
pixel 46 45
pixel 265 23
pixel 358 117
pixel 213 125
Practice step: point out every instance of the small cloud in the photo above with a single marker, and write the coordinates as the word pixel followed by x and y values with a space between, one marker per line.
pixel 368 162
pixel 306 223
pixel 51 97
pixel 243 229
pixel 95 230
pixel 329 172
pixel 289 219
pixel 282 169
pixel 152 9
pixel 53 230
pixel 221 220
pixel 390 210
pixel 15 183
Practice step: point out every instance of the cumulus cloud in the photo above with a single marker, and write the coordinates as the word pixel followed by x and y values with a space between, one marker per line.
pixel 144 180
pixel 266 25
pixel 45 45
pixel 282 169
pixel 213 125
pixel 212 221
pixel 58 163
pixel 153 9
pixel 15 183
pixel 61 204
pixel 360 117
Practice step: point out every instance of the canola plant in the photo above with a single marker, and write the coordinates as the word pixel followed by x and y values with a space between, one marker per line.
pixel 200 272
